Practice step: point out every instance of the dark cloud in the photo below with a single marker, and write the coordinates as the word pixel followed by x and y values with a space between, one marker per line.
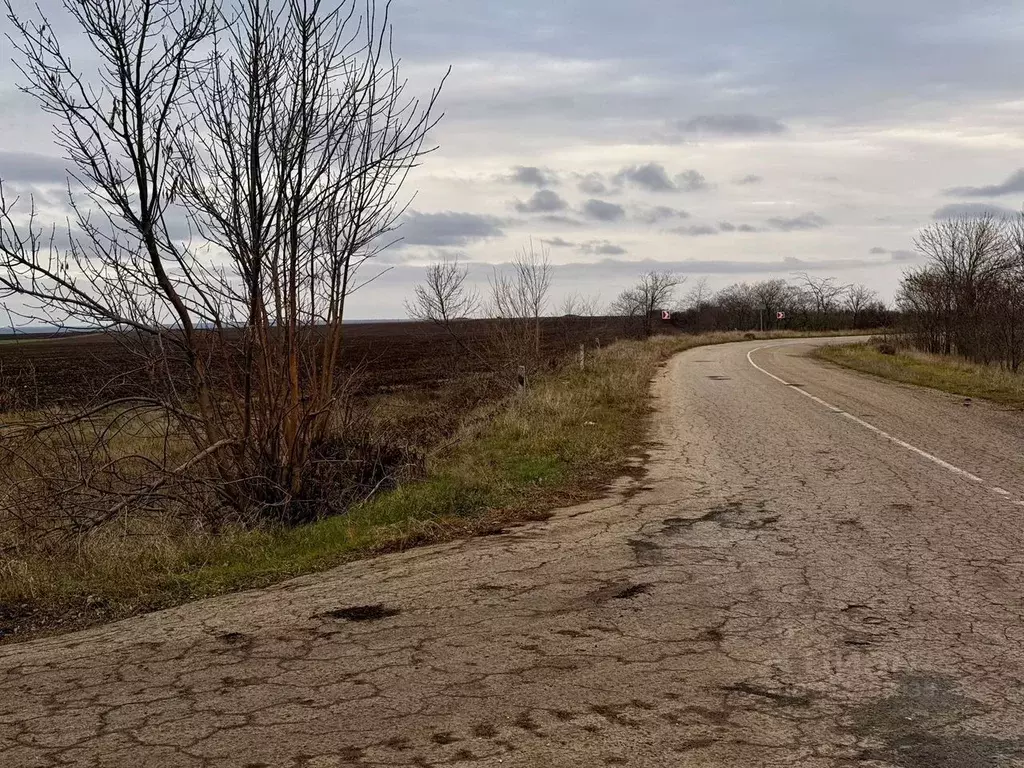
pixel 602 248
pixel 876 250
pixel 659 213
pixel 649 176
pixel 1013 185
pixel 738 124
pixel 30 168
pixel 450 228
pixel 726 226
pixel 695 230
pixel 603 211
pixel 691 181
pixel 751 178
pixel 593 184
pixel 532 176
pixel 747 228
pixel 542 201
pixel 804 221
pixel 972 209
pixel 558 242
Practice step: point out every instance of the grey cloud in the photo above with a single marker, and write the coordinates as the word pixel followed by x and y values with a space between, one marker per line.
pixel 593 184
pixel 695 230
pixel 747 228
pixel 751 178
pixel 876 250
pixel 972 209
pixel 1014 184
pixel 564 220
pixel 737 124
pixel 691 181
pixel 558 242
pixel 904 256
pixel 542 201
pixel 602 248
pixel 649 176
pixel 30 168
pixel 532 176
pixel 804 221
pixel 450 228
pixel 616 267
pixel 660 213
pixel 726 226
pixel 602 210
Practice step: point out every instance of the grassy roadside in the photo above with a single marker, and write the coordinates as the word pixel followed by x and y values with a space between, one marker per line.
pixel 949 374
pixel 556 444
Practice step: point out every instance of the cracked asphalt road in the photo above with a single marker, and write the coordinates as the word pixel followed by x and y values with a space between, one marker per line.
pixel 785 586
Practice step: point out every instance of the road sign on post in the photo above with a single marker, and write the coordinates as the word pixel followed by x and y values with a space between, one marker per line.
pixel 780 315
pixel 666 315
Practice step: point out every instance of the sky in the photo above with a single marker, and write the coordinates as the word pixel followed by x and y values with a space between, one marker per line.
pixel 737 140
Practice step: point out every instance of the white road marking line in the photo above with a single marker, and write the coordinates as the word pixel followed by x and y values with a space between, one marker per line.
pixel 1001 491
pixel 881 433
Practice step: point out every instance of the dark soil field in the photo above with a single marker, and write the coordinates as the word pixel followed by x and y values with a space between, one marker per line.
pixel 38 371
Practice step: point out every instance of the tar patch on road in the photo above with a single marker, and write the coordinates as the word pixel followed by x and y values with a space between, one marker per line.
pixel 361 613
pixel 732 515
pixel 917 727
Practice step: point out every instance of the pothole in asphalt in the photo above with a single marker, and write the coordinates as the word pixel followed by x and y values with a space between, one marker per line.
pixel 362 613
pixel 720 378
pixel 916 727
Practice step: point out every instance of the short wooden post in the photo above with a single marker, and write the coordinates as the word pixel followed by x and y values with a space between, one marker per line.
pixel 583 357
pixel 522 378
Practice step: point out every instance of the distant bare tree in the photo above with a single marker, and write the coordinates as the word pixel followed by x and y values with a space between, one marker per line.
pixel 655 291
pixel 856 299
pixel 771 297
pixel 281 133
pixel 823 292
pixel 698 295
pixel 577 305
pixel 444 297
pixel 519 298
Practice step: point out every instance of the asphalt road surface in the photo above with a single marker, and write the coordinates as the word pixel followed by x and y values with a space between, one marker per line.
pixel 818 569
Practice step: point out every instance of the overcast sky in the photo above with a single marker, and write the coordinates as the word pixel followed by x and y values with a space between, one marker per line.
pixel 735 139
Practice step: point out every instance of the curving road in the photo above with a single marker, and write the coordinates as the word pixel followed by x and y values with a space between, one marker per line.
pixel 818 569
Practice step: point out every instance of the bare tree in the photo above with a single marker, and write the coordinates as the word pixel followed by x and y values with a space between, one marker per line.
pixel 856 299
pixel 823 292
pixel 577 305
pixel 771 296
pixel 654 292
pixel 519 298
pixel 698 295
pixel 281 133
pixel 444 297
